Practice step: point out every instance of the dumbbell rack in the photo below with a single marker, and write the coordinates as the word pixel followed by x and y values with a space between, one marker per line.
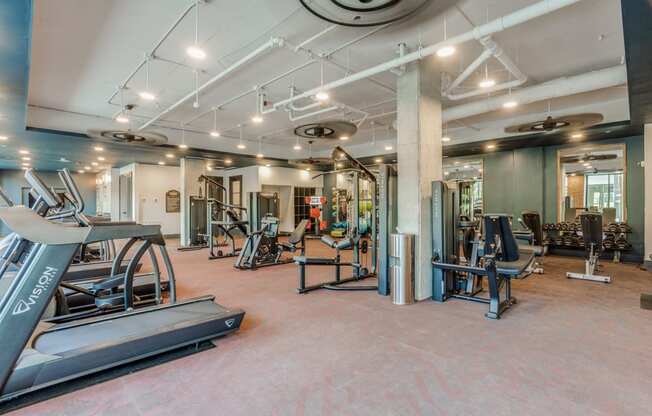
pixel 569 236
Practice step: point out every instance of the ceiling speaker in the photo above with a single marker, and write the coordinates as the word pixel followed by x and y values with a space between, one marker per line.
pixel 569 122
pixel 129 137
pixel 363 12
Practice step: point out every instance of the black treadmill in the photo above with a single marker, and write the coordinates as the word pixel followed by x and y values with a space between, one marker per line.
pixel 39 354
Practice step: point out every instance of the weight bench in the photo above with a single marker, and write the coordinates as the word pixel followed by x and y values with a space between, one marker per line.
pixel 343 244
pixel 592 235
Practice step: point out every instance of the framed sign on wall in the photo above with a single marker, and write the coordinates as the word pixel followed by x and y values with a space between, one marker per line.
pixel 172 201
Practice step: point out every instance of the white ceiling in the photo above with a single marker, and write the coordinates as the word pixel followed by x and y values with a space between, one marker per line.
pixel 81 51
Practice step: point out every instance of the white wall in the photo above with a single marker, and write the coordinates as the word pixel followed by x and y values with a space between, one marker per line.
pixel 150 183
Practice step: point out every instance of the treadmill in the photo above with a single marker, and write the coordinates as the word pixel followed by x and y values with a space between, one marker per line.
pixel 41 354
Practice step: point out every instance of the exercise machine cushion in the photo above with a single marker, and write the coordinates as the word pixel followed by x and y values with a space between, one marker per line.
pixel 303 260
pixel 513 268
pixel 529 249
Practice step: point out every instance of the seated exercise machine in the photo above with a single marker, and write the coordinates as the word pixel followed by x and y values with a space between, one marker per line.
pixel 532 234
pixel 592 236
pixel 41 354
pixel 500 261
pixel 262 248
pixel 359 271
pixel 223 229
pixel 78 295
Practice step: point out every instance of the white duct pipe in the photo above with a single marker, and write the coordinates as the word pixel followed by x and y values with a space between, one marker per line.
pixel 272 43
pixel 498 25
pixel 496 51
pixel 560 87
pixel 486 54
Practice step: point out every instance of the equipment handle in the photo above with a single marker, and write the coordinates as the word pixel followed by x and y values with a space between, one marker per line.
pixel 50 198
pixel 8 202
pixel 71 186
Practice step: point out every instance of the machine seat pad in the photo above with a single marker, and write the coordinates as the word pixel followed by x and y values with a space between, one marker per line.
pixel 313 260
pixel 110 223
pixel 528 249
pixel 514 268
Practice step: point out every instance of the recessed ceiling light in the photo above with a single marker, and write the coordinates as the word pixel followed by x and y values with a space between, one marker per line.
pixel 101 158
pixel 589 167
pixel 297 147
pixel 587 164
pixel 169 155
pixel 457 162
pixel 491 146
pixel 378 160
pixel 195 52
pixel 63 160
pixel 340 165
pixel 4 138
pixel 183 146
pixel 389 147
pixel 25 164
pixel 577 135
pixel 445 51
pixel 99 148
pixel 260 155
pixel 445 139
pixel 307 169
pixel 146 95
pixel 480 170
pixel 94 163
pixel 23 152
pixel 26 158
pixel 573 174
pixel 466 166
pixel 209 167
pixel 257 119
pixel 241 146
pixel 446 173
pixel 510 104
pixel 487 83
pixel 267 165
pixel 122 119
pixel 160 162
pixel 344 138
pixel 87 167
pixel 322 96
pixel 215 133
pixel 228 161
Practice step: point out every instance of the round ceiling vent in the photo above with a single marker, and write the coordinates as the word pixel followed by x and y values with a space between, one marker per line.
pixel 327 130
pixel 569 122
pixel 129 137
pixel 362 12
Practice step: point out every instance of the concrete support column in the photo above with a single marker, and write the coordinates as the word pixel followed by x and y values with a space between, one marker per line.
pixel 419 147
pixel 647 191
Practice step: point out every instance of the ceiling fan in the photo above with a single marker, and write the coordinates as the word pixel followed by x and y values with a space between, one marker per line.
pixel 561 123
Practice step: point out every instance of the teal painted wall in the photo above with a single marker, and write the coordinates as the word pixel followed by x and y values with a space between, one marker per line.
pixel 527 179
pixel 13 181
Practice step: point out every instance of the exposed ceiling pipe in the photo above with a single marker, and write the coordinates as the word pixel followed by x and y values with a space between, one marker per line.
pixel 560 87
pixel 498 25
pixel 270 44
pixel 491 49
pixel 152 51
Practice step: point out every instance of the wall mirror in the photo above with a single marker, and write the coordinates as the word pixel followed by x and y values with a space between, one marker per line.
pixel 466 176
pixel 592 178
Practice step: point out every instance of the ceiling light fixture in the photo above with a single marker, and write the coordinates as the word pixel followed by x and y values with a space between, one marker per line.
pixel 344 138
pixel 586 164
pixel 322 96
pixel 121 118
pixel 183 146
pixel 577 136
pixel 169 155
pixel 214 132
pixel 467 166
pixel 260 154
pixel 87 167
pixel 94 164
pixel 378 160
pixel 510 104
pixel 448 50
pixel 23 152
pixel 491 146
pixel 257 118
pixel 486 82
pixel 81 171
pixel 4 138
pixel 241 145
pixel 446 173
pixel 101 158
pixel 195 51
pixel 446 138
pixel 160 162
pixel 147 94
pixel 388 148
pixel 98 148
pixel 228 161
pixel 26 158
pixel 267 165
pixel 25 164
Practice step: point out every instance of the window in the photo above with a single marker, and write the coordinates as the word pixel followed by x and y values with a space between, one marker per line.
pixel 605 190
